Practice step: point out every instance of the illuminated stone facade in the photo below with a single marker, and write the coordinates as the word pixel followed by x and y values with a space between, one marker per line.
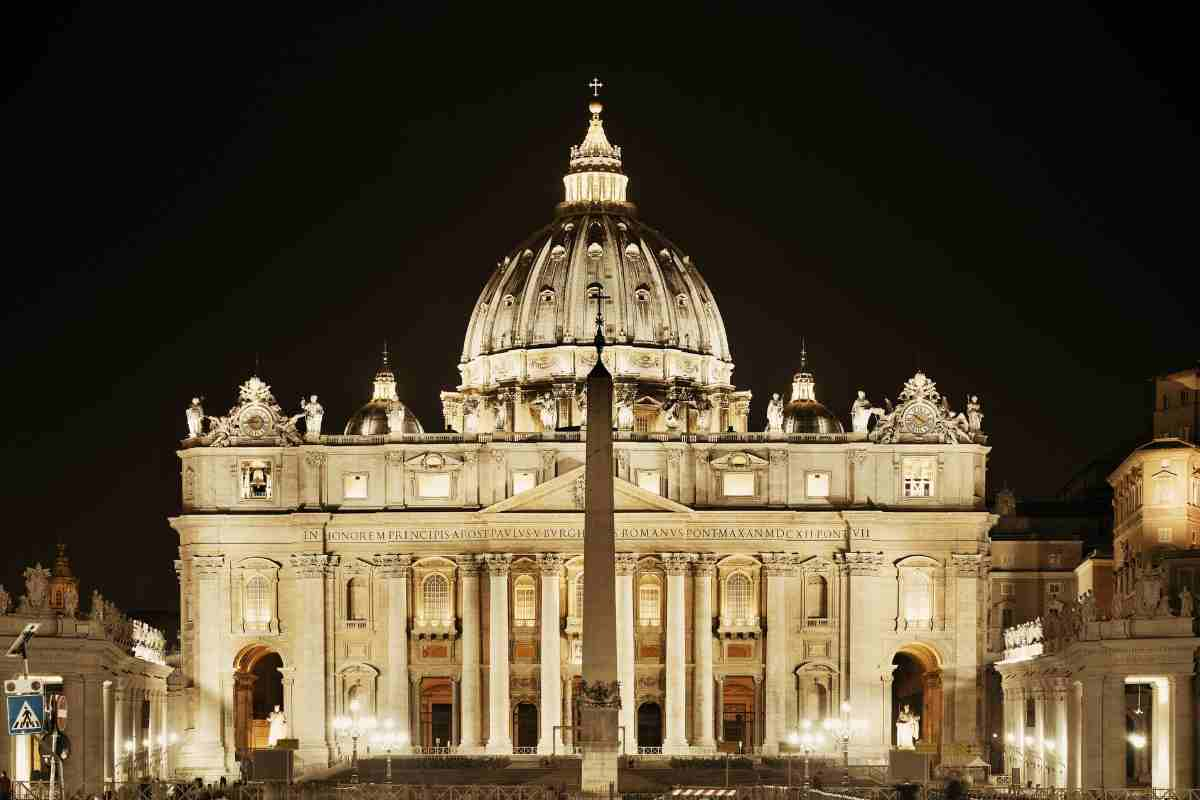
pixel 763 578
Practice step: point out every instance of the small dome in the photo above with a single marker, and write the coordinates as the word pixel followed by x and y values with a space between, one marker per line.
pixel 809 416
pixel 373 419
pixel 804 414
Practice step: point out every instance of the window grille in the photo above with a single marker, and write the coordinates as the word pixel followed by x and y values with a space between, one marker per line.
pixel 258 612
pixel 738 590
pixel 437 598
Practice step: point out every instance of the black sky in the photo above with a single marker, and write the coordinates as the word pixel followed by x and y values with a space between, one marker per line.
pixel 1002 198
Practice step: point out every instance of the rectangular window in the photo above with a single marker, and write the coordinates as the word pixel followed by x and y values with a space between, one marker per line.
pixel 433 485
pixel 256 480
pixel 1054 589
pixel 523 481
pixel 738 484
pixel 1055 560
pixel 816 484
pixel 918 476
pixel 1164 535
pixel 354 486
pixel 650 480
pixel 1006 590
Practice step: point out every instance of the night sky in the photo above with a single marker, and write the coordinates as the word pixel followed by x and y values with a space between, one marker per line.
pixel 1004 200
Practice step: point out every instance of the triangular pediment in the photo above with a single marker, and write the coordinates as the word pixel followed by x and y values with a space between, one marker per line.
pixel 567 493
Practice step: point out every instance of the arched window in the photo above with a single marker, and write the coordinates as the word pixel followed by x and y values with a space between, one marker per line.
pixel 577 608
pixel 356 599
pixel 437 598
pixel 815 598
pixel 650 602
pixel 524 607
pixel 737 590
pixel 258 611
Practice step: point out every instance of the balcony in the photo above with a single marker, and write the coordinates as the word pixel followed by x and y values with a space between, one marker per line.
pixel 736 628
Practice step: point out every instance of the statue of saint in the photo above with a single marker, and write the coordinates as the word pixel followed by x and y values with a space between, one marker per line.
pixel 278 727
pixel 907 729
pixel 395 418
pixel 974 414
pixel 70 601
pixel 775 414
pixel 703 415
pixel 625 411
pixel 860 412
pixel 1187 602
pixel 471 415
pixel 548 411
pixel 37 579
pixel 314 412
pixel 195 418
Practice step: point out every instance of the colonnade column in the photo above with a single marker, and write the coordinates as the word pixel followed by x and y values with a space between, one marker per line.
pixel 551 565
pixel 1039 735
pixel 308 715
pixel 468 576
pixel 499 723
pixel 1113 732
pixel 1061 733
pixel 1181 711
pixel 777 567
pixel 396 570
pixel 205 750
pixel 675 737
pixel 626 675
pixel 702 677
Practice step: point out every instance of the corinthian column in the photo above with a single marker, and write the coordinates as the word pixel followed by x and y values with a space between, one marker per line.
pixel 777 567
pixel 675 740
pixel 702 676
pixel 204 751
pixel 499 724
pixel 626 566
pixel 395 570
pixel 468 576
pixel 551 701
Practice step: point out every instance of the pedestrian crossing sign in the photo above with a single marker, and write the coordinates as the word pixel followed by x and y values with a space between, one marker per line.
pixel 26 714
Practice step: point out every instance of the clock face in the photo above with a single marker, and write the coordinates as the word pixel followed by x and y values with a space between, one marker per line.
pixel 918 418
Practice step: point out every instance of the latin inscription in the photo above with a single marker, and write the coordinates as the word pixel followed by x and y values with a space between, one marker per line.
pixel 567 534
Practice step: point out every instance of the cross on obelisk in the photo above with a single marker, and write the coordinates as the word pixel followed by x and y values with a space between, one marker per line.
pixel 596 87
pixel 600 700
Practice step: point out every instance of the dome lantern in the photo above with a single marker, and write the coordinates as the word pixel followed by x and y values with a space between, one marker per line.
pixel 594 175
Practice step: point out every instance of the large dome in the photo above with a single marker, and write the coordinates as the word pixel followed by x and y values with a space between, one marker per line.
pixel 660 315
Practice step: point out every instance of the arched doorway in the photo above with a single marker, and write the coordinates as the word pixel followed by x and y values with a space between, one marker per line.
pixel 257 689
pixel 917 684
pixel 525 721
pixel 738 708
pixel 437 712
pixel 650 725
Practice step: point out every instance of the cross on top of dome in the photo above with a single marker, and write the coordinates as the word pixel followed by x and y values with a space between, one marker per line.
pixel 596 86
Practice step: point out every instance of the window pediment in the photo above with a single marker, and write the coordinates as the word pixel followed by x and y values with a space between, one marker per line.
pixel 433 462
pixel 739 461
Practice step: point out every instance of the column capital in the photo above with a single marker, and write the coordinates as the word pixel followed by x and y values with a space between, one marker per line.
pixel 206 567
pixel 468 567
pixel 779 565
pixel 676 563
pixel 967 565
pixel 627 563
pixel 496 564
pixel 312 565
pixel 551 564
pixel 393 565
pixel 705 565
pixel 859 563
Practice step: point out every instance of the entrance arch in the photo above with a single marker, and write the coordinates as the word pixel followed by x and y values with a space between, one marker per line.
pixel 917 683
pixel 257 689
pixel 650 725
pixel 525 723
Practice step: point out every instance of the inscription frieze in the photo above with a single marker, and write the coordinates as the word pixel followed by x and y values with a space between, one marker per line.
pixel 430 535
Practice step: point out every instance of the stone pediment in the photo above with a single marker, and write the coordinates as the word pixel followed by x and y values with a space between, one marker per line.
pixel 739 461
pixel 566 493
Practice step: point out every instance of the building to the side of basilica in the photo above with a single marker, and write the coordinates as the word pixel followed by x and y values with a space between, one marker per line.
pixel 436 578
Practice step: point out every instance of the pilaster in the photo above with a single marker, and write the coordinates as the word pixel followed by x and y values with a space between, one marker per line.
pixel 704 568
pixel 395 571
pixel 468 578
pixel 310 572
pixel 204 752
pixel 499 721
pixel 551 566
pixel 777 568
pixel 674 735
pixel 626 567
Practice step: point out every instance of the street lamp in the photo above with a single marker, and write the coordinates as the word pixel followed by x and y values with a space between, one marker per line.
pixel 809 741
pixel 388 740
pixel 354 726
pixel 840 729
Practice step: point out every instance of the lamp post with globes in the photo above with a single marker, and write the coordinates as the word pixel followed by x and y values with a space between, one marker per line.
pixel 388 740
pixel 354 726
pixel 807 741
pixel 840 730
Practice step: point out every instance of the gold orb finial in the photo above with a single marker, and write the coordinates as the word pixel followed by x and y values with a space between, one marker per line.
pixel 595 107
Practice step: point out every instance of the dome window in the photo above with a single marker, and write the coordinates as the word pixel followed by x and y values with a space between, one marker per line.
pixel 546 295
pixel 558 253
pixel 508 301
pixel 527 255
pixel 664 255
pixel 642 294
pixel 591 292
pixel 594 251
pixel 681 300
pixel 570 226
pixel 632 252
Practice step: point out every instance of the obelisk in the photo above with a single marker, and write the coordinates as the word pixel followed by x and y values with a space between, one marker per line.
pixel 600 702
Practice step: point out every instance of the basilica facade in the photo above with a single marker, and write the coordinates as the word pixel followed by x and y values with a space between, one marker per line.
pixel 802 572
